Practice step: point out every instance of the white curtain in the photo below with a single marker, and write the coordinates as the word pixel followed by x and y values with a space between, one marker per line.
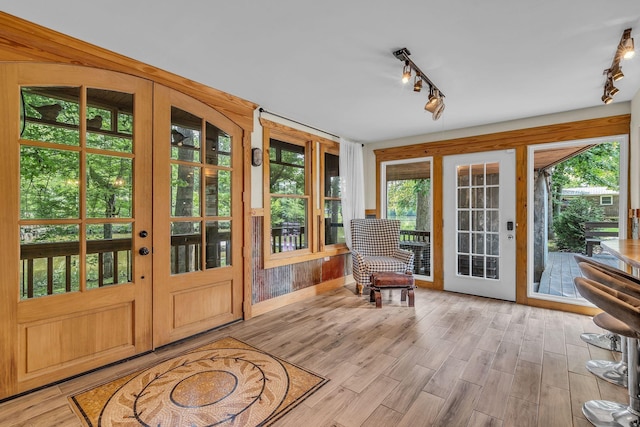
pixel 352 184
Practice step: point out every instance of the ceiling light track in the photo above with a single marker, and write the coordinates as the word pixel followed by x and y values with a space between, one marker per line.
pixel 435 103
pixel 624 50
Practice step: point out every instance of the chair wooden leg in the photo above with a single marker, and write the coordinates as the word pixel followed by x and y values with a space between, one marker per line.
pixel 403 296
pixel 359 289
pixel 411 298
pixel 378 298
pixel 372 296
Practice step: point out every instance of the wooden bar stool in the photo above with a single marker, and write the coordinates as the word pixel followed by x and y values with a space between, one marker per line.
pixel 614 372
pixel 625 309
pixel 608 341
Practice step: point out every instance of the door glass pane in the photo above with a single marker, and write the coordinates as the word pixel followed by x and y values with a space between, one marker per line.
pixel 108 254
pixel 186 242
pixel 218 146
pixel 408 198
pixel 218 192
pixel 109 186
pixel 218 243
pixel 185 135
pixel 109 120
pixel 49 183
pixel 49 260
pixel 484 226
pixel 185 190
pixel 50 114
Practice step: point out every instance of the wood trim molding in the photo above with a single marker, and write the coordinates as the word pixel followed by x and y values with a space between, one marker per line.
pixel 279 130
pixel 570 131
pixel 21 40
pixel 290 298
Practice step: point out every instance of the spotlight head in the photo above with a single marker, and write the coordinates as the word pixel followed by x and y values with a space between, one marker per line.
pixel 611 89
pixel 438 111
pixel 417 83
pixel 406 73
pixel 628 49
pixel 434 101
pixel 606 98
pixel 615 72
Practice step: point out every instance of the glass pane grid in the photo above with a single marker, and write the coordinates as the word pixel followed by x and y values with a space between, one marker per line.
pixel 477 205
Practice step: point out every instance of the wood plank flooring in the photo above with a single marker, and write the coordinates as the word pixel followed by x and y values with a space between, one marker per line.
pixel 557 278
pixel 453 360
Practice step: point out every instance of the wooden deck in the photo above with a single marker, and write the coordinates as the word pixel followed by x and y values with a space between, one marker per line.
pixel 557 279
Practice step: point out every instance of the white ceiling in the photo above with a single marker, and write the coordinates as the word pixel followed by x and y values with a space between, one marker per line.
pixel 329 63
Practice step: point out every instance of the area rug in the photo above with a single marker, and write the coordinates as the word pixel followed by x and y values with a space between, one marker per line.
pixel 225 383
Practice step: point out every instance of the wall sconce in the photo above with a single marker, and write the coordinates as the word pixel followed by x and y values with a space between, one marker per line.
pixel 435 102
pixel 256 156
pixel 624 50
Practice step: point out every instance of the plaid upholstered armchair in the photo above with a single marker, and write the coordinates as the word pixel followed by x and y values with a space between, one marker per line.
pixel 375 246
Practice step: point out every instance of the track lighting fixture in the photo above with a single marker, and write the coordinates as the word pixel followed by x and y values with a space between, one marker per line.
pixel 624 50
pixel 435 102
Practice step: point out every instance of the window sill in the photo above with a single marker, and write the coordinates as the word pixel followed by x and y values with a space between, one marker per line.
pixel 278 260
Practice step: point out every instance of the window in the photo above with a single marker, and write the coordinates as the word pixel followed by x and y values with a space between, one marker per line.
pixel 289 201
pixel 406 195
pixel 606 200
pixel 302 206
pixel 333 226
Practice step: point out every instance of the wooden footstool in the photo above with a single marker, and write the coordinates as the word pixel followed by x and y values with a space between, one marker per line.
pixel 389 280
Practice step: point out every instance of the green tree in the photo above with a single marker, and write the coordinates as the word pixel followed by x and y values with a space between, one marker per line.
pixel 597 166
pixel 569 227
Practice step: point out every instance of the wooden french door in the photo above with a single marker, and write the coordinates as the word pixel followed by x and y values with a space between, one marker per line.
pixel 197 217
pixel 75 282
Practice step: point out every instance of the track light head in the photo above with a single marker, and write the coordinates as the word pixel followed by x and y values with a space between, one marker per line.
pixel 434 103
pixel 606 98
pixel 615 72
pixel 417 83
pixel 610 88
pixel 406 73
pixel 627 49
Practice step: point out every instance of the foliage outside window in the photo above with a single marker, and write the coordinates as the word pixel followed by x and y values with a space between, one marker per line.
pixel 290 196
pixel 333 225
pixel 76 188
pixel 303 211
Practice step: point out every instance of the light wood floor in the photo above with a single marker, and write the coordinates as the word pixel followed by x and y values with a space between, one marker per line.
pixel 453 360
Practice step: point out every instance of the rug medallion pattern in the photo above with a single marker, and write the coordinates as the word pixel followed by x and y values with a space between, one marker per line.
pixel 225 383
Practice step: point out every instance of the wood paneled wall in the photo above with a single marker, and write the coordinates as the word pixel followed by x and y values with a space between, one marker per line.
pixel 518 140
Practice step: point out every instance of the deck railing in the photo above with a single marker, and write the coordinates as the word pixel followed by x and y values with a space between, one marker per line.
pixel 418 241
pixel 106 250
